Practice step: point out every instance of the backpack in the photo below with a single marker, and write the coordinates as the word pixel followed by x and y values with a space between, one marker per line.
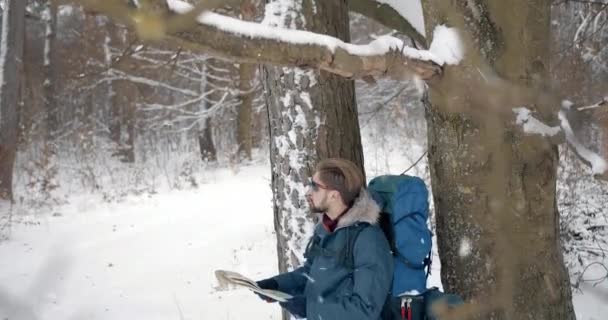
pixel 403 201
pixel 404 211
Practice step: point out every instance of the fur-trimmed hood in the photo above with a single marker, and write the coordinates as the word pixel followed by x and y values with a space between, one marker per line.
pixel 364 209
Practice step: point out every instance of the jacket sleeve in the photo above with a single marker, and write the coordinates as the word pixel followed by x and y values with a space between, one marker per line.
pixel 372 279
pixel 293 282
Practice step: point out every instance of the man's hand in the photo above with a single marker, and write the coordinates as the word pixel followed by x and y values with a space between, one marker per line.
pixel 265 298
pixel 268 284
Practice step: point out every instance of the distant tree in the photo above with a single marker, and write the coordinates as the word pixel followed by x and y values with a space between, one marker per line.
pixel 50 65
pixel 11 57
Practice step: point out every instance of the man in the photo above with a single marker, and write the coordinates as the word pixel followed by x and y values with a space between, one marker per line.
pixel 335 282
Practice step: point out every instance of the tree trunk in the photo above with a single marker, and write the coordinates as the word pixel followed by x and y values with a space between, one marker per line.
pixel 220 75
pixel 11 66
pixel 312 115
pixel 122 110
pixel 495 188
pixel 246 95
pixel 50 53
pixel 205 142
pixel 123 97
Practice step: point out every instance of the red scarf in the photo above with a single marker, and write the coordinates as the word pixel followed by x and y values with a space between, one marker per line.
pixel 331 225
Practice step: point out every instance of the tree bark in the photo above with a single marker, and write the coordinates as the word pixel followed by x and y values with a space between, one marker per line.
pixel 312 116
pixel 246 96
pixel 11 66
pixel 495 188
pixel 245 109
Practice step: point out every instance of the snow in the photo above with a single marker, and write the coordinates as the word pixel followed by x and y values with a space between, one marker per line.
pixel 154 256
pixel 447 47
pixel 411 10
pixel 465 248
pixel 533 125
pixel 149 257
pixel 65 10
pixel 598 164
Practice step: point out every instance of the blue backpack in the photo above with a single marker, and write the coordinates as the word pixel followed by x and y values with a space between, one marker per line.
pixel 403 201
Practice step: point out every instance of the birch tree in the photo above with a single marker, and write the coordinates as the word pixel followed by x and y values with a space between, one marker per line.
pixel 312 115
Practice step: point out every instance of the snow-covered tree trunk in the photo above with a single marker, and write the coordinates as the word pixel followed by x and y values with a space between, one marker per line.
pixel 11 70
pixel 312 116
pixel 495 188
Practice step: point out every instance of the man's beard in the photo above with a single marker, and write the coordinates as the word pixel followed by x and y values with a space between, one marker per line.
pixel 314 208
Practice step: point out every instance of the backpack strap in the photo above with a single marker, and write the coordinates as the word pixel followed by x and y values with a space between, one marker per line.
pixel 352 233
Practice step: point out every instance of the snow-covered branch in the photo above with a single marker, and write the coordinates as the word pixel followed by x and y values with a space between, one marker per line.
pixel 531 125
pixel 257 43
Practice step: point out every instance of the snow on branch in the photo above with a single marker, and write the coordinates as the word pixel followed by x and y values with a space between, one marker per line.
pixel 256 43
pixel 531 125
pixel 597 163
pixel 248 40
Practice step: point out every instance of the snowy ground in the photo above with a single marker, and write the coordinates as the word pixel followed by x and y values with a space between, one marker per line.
pixel 154 257
pixel 145 258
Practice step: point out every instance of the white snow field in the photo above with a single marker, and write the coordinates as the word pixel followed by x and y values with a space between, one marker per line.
pixel 153 257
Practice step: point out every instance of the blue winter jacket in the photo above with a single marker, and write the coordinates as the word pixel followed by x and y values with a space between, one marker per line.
pixel 325 288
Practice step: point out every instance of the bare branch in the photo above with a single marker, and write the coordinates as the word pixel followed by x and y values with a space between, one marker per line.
pixel 532 125
pixel 602 103
pixel 598 165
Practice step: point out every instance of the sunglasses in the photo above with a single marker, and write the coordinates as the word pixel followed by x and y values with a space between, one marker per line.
pixel 315 186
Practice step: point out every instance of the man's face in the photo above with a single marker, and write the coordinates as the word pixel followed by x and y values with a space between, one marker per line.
pixel 317 195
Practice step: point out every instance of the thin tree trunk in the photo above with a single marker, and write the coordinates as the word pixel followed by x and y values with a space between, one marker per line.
pixel 123 98
pixel 495 188
pixel 50 52
pixel 219 79
pixel 604 137
pixel 246 95
pixel 205 142
pixel 312 115
pixel 11 66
